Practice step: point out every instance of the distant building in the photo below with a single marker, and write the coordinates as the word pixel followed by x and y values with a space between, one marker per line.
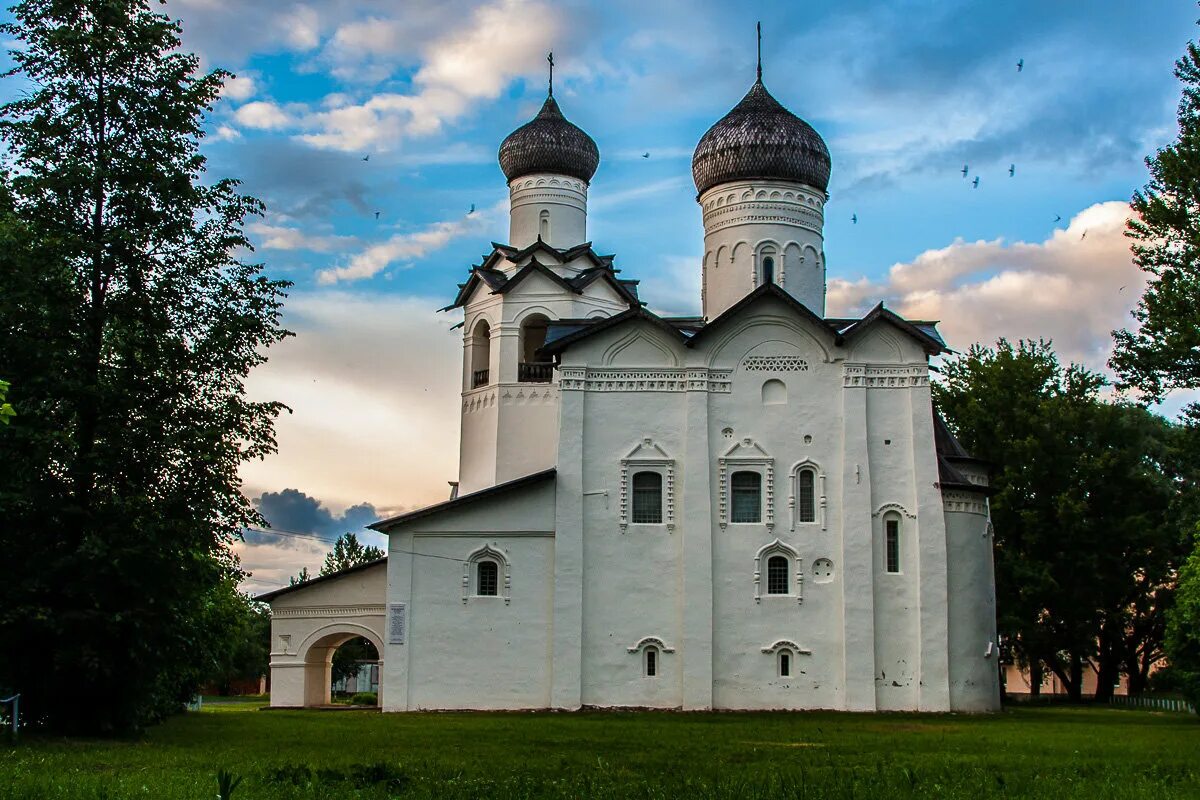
pixel 756 508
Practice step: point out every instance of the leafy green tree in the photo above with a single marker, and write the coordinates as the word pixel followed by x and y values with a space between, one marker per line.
pixel 1163 353
pixel 131 325
pixel 348 552
pixel 299 577
pixel 6 409
pixel 247 654
pixel 1183 628
pixel 1082 511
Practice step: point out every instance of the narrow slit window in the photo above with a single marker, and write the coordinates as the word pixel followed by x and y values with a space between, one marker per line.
pixel 892 544
pixel 651 662
pixel 746 492
pixel 777 575
pixel 785 663
pixel 488 578
pixel 768 270
pixel 807 500
pixel 647 498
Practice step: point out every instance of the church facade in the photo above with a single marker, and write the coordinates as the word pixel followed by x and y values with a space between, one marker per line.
pixel 753 509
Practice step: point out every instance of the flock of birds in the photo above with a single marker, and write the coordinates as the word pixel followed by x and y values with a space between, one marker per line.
pixel 966 170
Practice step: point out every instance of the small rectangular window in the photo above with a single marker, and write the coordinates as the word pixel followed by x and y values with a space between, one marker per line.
pixel 777 575
pixel 807 500
pixel 785 664
pixel 746 496
pixel 651 662
pixel 647 498
pixel 488 578
pixel 892 545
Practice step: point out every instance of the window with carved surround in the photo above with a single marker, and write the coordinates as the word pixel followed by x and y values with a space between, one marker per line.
pixel 743 457
pixel 647 471
pixel 778 572
pixel 808 502
pixel 651 649
pixel 487 573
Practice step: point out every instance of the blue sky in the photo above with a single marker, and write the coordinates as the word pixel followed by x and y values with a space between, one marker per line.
pixel 904 93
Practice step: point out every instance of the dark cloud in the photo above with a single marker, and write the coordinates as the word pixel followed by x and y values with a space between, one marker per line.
pixel 294 511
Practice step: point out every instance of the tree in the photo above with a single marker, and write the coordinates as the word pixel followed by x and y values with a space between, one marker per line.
pixel 1164 352
pixel 300 577
pixel 1183 628
pixel 1085 538
pixel 131 325
pixel 248 654
pixel 348 552
pixel 6 409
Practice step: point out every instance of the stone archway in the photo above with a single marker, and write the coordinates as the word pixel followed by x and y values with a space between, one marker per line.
pixel 317 655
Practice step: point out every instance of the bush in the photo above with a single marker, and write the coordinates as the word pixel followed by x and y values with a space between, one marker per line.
pixel 364 699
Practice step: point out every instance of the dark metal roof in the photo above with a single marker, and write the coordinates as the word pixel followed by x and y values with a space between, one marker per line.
pixel 926 333
pixel 263 598
pixel 549 143
pixel 950 453
pixel 772 289
pixel 462 500
pixel 760 139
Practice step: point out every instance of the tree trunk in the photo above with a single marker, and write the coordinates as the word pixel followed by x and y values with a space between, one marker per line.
pixel 1036 676
pixel 1075 680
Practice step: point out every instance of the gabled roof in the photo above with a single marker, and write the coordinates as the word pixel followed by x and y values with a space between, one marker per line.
pixel 950 453
pixel 564 333
pixel 766 289
pixel 533 267
pixel 933 344
pixel 263 598
pixel 538 477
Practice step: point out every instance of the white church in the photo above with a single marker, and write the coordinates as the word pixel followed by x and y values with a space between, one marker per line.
pixel 753 509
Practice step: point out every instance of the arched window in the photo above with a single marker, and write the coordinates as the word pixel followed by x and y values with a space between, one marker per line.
pixel 487 579
pixel 746 497
pixel 481 353
pixel 777 574
pixel 785 663
pixel 544 225
pixel 647 498
pixel 806 500
pixel 768 269
pixel 774 392
pixel 891 544
pixel 534 368
pixel 650 662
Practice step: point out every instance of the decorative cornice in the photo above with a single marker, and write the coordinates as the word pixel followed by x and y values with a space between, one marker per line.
pixel 313 612
pixel 664 379
pixel 870 376
pixel 775 364
pixel 965 502
pixel 648 641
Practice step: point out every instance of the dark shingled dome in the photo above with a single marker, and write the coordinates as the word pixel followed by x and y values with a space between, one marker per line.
pixel 548 143
pixel 760 139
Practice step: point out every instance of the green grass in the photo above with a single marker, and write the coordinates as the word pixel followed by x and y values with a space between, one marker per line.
pixel 1056 752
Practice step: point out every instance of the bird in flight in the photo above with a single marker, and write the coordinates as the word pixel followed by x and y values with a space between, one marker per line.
pixel 367 157
pixel 854 219
pixel 376 215
pixel 1020 65
pixel 1121 289
pixel 472 211
pixel 1084 236
pixel 964 170
pixel 1057 218
pixel 975 183
pixel 645 155
pixel 1012 170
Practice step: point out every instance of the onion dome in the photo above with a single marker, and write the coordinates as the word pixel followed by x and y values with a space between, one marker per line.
pixel 549 143
pixel 760 139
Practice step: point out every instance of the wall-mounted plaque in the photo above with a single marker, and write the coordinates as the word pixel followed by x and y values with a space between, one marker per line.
pixel 397 622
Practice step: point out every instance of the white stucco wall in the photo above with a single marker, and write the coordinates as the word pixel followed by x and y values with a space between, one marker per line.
pixel 744 221
pixel 554 206
pixel 310 622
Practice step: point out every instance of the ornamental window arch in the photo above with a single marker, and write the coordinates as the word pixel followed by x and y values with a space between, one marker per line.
pixel 778 572
pixel 487 573
pixel 807 499
pixel 742 497
pixel 647 486
pixel 768 263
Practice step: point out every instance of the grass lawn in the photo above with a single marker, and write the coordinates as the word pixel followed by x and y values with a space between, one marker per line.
pixel 1053 752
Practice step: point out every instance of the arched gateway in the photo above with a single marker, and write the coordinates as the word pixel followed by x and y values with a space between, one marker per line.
pixel 311 620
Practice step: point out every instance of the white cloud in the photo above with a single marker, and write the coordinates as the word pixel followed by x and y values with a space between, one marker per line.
pixel 372 382
pixel 225 133
pixel 240 87
pixel 404 246
pixel 262 115
pixel 1073 288
pixel 278 237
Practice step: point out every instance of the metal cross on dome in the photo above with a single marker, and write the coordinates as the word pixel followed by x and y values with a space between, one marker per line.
pixel 550 58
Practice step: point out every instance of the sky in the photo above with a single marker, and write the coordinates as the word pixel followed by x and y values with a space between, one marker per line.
pixel 370 128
